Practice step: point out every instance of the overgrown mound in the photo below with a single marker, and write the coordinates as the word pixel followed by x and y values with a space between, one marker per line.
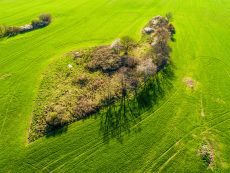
pixel 84 81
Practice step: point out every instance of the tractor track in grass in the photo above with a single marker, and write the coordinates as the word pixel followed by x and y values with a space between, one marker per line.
pixel 217 120
pixel 168 150
pixel 32 166
pixel 219 60
pixel 212 121
pixel 7 108
pixel 160 169
pixel 178 151
pixel 221 133
pixel 73 152
pixel 91 152
pixel 223 121
pixel 155 161
pixel 56 140
pixel 11 98
pixel 160 106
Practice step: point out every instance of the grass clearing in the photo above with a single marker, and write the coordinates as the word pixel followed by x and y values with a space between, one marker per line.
pixel 169 134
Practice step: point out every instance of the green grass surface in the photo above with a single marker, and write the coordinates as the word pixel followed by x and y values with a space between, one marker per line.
pixel 168 136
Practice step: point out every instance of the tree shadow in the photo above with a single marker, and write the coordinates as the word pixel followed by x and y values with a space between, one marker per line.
pixel 156 87
pixel 56 132
pixel 119 118
pixel 122 117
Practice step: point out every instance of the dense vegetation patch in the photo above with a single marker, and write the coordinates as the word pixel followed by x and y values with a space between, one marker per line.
pixel 9 31
pixel 84 81
pixel 206 153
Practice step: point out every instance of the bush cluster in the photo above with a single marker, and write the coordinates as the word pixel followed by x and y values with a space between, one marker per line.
pixel 85 106
pixel 161 48
pixel 104 59
pixel 8 31
pixel 107 60
pixel 57 116
pixel 163 32
pixel 44 20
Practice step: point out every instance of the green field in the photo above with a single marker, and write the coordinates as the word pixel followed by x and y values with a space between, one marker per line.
pixel 169 135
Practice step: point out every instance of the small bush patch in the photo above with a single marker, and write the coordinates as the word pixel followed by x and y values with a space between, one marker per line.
pixel 207 155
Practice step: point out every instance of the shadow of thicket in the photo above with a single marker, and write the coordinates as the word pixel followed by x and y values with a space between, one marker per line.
pixel 56 132
pixel 126 113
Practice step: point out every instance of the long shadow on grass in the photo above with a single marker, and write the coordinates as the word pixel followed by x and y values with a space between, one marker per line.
pixel 119 118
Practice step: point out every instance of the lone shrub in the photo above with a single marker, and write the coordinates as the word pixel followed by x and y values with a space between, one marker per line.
pixel 45 18
pixel 206 155
pixel 55 120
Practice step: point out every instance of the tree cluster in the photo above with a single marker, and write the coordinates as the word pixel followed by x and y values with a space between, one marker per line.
pixel 162 32
pixel 42 21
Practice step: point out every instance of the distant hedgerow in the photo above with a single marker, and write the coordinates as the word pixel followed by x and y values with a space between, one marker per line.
pixel 9 31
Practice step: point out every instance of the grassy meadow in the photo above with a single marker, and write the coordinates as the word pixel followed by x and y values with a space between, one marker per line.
pixel 168 136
